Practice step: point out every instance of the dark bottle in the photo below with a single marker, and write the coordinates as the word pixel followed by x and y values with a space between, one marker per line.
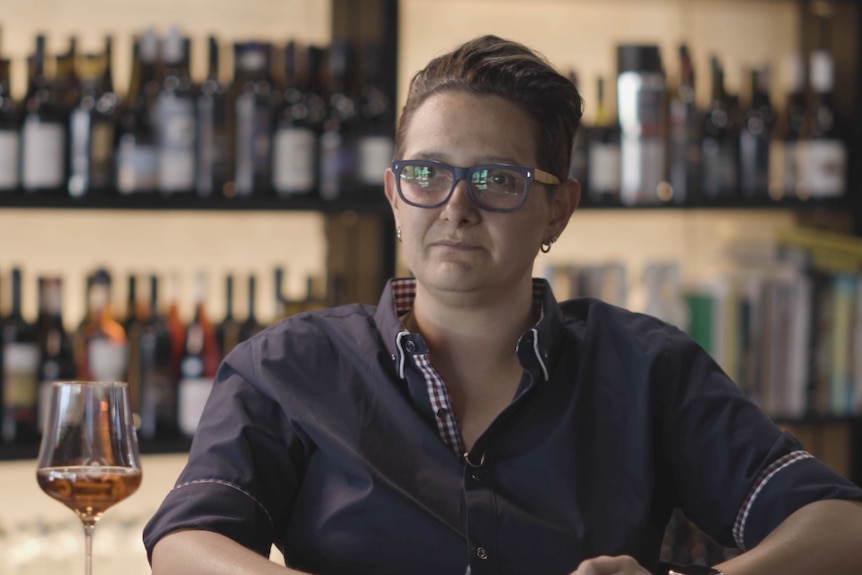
pixel 43 133
pixel 375 123
pixel 104 128
pixel 66 83
pixel 784 154
pixel 213 144
pixel 91 133
pixel 136 148
pixel 755 138
pixel 603 154
pixel 132 326
pixel 300 113
pixel 719 146
pixel 822 151
pixel 198 364
pixel 158 386
pixel 684 154
pixel 250 325
pixel 10 132
pixel 56 356
pixel 227 331
pixel 20 371
pixel 101 350
pixel 175 117
pixel 338 155
pixel 578 165
pixel 252 104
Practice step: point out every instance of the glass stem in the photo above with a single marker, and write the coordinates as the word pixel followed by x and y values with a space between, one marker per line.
pixel 88 548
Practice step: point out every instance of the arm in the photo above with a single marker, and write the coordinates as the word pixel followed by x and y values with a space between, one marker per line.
pixel 821 537
pixel 209 553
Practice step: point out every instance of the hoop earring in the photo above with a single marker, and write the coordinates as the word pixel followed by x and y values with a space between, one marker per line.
pixel 546 246
pixel 398 234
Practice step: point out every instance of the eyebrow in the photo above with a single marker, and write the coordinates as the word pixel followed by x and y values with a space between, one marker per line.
pixel 445 159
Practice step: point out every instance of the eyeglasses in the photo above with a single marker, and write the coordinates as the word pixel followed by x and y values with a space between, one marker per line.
pixel 492 187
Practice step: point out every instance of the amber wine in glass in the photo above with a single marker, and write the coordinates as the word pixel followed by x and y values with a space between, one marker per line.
pixel 89 458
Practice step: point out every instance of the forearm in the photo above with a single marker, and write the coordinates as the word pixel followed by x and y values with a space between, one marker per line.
pixel 195 552
pixel 823 537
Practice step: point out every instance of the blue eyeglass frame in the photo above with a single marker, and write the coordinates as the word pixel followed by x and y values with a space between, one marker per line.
pixel 466 173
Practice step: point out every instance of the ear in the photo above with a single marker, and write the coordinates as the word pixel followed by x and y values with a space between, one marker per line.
pixel 391 192
pixel 564 202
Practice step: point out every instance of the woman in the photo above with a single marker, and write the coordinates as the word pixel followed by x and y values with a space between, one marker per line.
pixel 471 424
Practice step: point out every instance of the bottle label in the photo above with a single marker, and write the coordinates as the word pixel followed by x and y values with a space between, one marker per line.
pixel 822 165
pixel 253 142
pixel 107 359
pixel 642 170
pixel 375 156
pixel 293 170
pixel 9 143
pixel 137 166
pixel 193 395
pixel 604 170
pixel 79 157
pixel 719 168
pixel 20 368
pixel 101 154
pixel 176 128
pixel 43 148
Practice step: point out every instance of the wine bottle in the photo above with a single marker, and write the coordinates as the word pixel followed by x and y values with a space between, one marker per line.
pixel 719 146
pixel 374 124
pixel 10 132
pixel 158 386
pixel 176 327
pixel 66 84
pixel 578 162
pixel 603 154
pixel 175 117
pixel 250 325
pixel 136 149
pixel 295 143
pixel 684 134
pixel 213 147
pixel 783 154
pixel 43 133
pixel 198 365
pixel 227 331
pixel 20 364
pixel 56 355
pixel 822 151
pixel 338 155
pixel 102 350
pixel 91 133
pixel 103 131
pixel 755 137
pixel 253 116
pixel 132 325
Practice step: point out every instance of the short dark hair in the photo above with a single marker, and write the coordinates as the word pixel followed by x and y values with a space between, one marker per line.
pixel 490 65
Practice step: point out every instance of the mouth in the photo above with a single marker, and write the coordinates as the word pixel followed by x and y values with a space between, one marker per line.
pixel 455 245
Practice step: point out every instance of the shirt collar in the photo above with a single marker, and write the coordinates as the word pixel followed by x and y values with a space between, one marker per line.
pixel 543 338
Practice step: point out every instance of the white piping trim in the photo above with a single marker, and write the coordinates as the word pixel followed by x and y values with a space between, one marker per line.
pixel 401 356
pixel 538 352
pixel 231 485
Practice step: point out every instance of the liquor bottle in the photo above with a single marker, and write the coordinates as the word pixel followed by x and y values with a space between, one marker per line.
pixel 281 302
pixel 338 138
pixel 213 145
pixel 719 146
pixel 250 325
pixel 66 83
pixel 102 351
pixel 20 364
pixel 375 124
pixel 132 326
pixel 295 143
pixel 198 365
pixel 227 331
pixel 104 124
pixel 755 138
pixel 253 117
pixel 158 386
pixel 175 117
pixel 56 356
pixel 136 149
pixel 684 135
pixel 784 156
pixel 176 327
pixel 10 132
pixel 91 133
pixel 578 165
pixel 43 133
pixel 603 154
pixel 822 152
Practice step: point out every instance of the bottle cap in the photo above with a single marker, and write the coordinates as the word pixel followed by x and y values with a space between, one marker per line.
pixel 638 58
pixel 821 71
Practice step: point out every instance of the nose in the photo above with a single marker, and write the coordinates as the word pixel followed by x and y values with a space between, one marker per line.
pixel 460 206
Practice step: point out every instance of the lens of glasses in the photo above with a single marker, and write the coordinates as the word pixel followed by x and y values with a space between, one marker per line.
pixel 492 187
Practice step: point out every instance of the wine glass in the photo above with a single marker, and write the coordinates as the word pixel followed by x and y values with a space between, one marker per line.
pixel 88 458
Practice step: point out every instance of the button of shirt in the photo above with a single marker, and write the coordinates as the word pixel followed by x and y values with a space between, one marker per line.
pixel 481 553
pixel 410 346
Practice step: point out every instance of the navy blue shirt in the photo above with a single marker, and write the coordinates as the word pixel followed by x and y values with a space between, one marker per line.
pixel 328 435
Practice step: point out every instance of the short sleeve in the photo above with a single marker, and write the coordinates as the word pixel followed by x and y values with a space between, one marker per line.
pixel 242 472
pixel 736 474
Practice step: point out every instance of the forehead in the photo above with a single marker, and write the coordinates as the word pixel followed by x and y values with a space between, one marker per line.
pixel 465 128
